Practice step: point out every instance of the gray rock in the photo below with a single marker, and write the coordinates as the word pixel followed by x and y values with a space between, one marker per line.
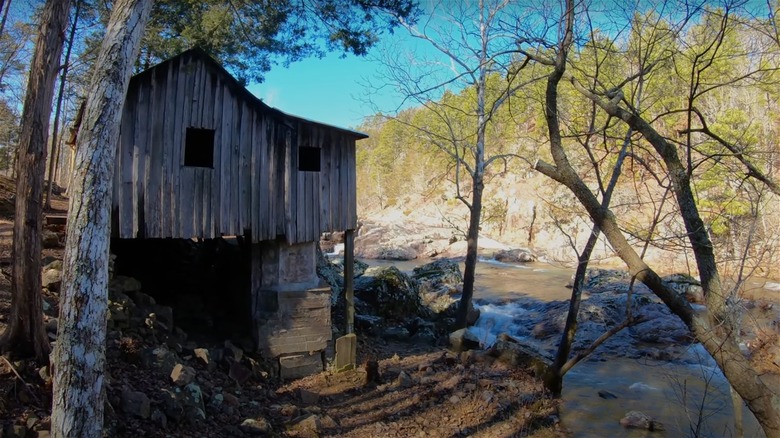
pixel 390 293
pixel 136 403
pixel 404 380
pixel 182 375
pixel 239 373
pixel 51 279
pixel 256 426
pixel 424 336
pixel 440 276
pixel 50 239
pixel 308 397
pixel 159 417
pixel 640 420
pixel 15 431
pixel 123 284
pixel 516 255
pixel 396 334
pixel 462 340
pixel 161 358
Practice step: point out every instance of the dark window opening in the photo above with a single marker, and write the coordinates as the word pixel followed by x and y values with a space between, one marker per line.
pixel 308 159
pixel 199 148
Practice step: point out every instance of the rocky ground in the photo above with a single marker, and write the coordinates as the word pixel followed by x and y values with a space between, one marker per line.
pixel 161 382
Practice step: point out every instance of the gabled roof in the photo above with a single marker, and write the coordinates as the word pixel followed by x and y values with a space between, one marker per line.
pixel 235 85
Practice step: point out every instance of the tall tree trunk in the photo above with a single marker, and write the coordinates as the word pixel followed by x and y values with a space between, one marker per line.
pixel 716 331
pixel 77 408
pixel 26 335
pixel 53 156
pixel 472 249
pixel 4 7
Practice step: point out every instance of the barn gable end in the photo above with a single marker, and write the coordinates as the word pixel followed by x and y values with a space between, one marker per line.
pixel 200 156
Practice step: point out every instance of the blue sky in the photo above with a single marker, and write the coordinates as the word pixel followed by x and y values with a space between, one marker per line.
pixel 327 90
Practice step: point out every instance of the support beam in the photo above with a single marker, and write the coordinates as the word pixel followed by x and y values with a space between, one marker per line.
pixel 349 275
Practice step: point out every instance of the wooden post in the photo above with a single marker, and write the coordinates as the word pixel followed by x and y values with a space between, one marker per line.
pixel 349 274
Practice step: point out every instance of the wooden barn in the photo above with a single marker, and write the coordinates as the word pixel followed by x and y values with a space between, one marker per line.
pixel 198 156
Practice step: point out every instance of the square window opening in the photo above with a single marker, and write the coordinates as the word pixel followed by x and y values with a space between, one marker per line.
pixel 309 159
pixel 199 148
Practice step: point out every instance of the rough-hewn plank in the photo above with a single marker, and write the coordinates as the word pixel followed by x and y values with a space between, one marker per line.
pixel 153 185
pixel 126 153
pixel 245 176
pixel 206 225
pixel 186 189
pixel 216 177
pixel 178 147
pixel 254 177
pixel 325 219
pixel 139 156
pixel 167 151
pixel 268 215
pixel 225 169
pixel 352 186
pixel 235 181
pixel 283 176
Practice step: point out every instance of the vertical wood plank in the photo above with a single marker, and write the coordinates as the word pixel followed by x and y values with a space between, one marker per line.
pixel 352 187
pixel 288 184
pixel 179 133
pixel 284 175
pixel 245 171
pixel 327 152
pixel 139 158
pixel 168 144
pixel 216 179
pixel 186 182
pixel 254 170
pixel 235 177
pixel 205 226
pixel 153 190
pixel 269 175
pixel 225 169
pixel 126 153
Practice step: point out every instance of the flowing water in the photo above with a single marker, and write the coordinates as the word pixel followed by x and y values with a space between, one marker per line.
pixel 689 396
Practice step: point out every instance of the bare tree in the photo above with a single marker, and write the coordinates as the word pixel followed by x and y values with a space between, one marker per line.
pixel 77 408
pixel 473 52
pixel 26 335
pixel 718 327
pixel 56 137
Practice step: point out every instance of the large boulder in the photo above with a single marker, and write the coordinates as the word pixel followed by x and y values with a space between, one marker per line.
pixel 439 276
pixel 686 286
pixel 515 255
pixel 390 293
pixel 439 281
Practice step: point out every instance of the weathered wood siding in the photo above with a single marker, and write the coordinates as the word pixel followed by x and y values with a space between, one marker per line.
pixel 254 184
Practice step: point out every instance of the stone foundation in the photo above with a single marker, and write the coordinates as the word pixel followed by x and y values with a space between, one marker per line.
pixel 290 307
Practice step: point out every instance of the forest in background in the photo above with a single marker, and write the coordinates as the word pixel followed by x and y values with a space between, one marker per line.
pixel 707 81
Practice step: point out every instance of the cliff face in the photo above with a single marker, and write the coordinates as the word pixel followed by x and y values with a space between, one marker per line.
pixel 531 211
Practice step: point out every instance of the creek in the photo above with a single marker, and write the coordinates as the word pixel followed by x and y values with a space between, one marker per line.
pixel 684 393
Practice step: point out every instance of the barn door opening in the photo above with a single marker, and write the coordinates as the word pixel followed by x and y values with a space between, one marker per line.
pixel 206 282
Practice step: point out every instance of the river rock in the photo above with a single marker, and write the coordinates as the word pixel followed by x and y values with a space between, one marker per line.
pixel 182 375
pixel 396 333
pixel 687 286
pixel 662 327
pixel 513 353
pixel 640 420
pixel 136 403
pixel 256 426
pixel 51 279
pixel 438 276
pixel 515 255
pixel 463 340
pixel 50 239
pixel 390 293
